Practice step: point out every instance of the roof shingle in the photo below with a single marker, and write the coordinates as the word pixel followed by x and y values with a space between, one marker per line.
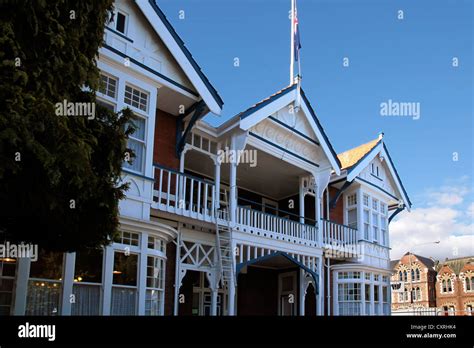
pixel 353 156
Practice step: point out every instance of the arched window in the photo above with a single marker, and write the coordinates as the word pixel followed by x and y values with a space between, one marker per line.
pixel 472 283
pixel 444 286
pixel 405 276
pixel 417 274
pixel 468 283
pixel 450 285
pixel 400 275
pixel 412 274
pixel 418 295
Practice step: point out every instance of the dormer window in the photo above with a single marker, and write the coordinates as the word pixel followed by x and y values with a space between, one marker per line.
pixel 120 22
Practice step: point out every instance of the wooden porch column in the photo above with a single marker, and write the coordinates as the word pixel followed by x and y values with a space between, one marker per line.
pixel 301 197
pixel 317 213
pixel 217 182
pixel 320 301
pixel 233 192
pixel 302 295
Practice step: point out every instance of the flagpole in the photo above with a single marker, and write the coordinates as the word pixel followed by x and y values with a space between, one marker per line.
pixel 292 49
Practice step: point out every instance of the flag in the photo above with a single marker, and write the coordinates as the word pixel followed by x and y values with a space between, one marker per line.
pixel 296 31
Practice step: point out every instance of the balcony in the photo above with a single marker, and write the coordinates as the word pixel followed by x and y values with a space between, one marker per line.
pixel 275 227
pixel 339 238
pixel 183 194
pixel 189 196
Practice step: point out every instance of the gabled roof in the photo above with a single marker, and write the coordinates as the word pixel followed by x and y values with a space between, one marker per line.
pixel 356 159
pixel 291 93
pixel 424 260
pixel 429 263
pixel 266 101
pixel 158 22
pixel 457 264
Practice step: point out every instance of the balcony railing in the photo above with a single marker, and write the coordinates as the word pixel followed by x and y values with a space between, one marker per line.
pixel 275 227
pixel 339 237
pixel 193 197
pixel 183 194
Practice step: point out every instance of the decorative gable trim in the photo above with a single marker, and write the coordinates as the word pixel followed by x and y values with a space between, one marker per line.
pixel 173 42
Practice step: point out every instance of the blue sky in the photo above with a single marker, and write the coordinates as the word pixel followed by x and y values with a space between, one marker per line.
pixel 407 60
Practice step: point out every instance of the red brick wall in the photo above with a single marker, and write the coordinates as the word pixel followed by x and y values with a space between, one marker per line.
pixel 336 214
pixel 164 150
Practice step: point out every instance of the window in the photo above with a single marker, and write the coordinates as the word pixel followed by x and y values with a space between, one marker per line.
pixel 136 98
pixel 405 276
pixel 469 309
pixel 417 274
pixel 383 230
pixel 386 306
pixel 120 22
pixel 349 275
pixel 136 142
pixel 366 200
pixel 376 300
pixel 366 224
pixel 352 199
pixel 469 281
pixel 367 276
pixel 124 289
pixel 87 283
pixel 7 284
pixel 367 299
pixel 375 226
pixel 349 298
pixel 155 243
pixel 108 86
pixel 352 218
pixel 383 208
pixel 446 285
pixel 44 285
pixel 375 204
pixel 155 286
pixel 128 238
pixel 400 276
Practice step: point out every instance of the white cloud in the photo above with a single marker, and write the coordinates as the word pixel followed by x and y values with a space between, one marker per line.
pixel 444 218
pixel 448 195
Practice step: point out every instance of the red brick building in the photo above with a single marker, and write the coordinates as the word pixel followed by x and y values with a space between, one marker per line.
pixel 416 275
pixel 455 286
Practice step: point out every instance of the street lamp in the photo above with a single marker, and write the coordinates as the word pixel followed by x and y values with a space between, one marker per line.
pixel 411 268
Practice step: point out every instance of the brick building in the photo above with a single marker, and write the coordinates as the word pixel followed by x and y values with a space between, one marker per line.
pixel 417 278
pixel 455 286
